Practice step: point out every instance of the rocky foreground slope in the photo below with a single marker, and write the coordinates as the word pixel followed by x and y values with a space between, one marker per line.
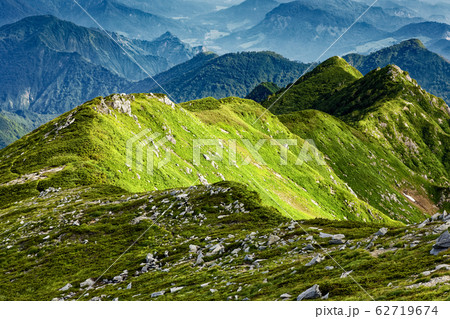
pixel 214 242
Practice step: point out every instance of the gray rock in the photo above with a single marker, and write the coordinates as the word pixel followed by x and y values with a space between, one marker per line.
pixel 118 279
pixel 324 235
pixel 129 286
pixel 442 243
pixel 149 258
pixel 285 296
pixel 336 241
pixel 193 249
pixel 66 287
pixel 87 283
pixel 157 294
pixel 346 274
pixel 175 289
pixel 311 293
pixel 272 240
pixel 329 268
pixel 436 217
pixel 216 249
pixel 383 231
pixel 249 257
pixel 309 247
pixel 317 259
pixel 423 224
pixel 326 296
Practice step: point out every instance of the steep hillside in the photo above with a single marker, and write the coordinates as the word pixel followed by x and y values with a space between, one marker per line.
pixel 430 70
pixel 263 91
pixel 234 74
pixel 10 131
pixel 312 88
pixel 88 146
pixel 390 120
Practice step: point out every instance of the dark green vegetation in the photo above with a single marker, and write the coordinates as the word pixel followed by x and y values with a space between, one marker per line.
pixel 263 91
pixel 234 74
pixel 430 70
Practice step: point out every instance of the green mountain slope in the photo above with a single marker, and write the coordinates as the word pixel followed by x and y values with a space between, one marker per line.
pixel 234 74
pixel 392 131
pixel 313 87
pixel 89 146
pixel 430 70
pixel 263 91
pixel 10 131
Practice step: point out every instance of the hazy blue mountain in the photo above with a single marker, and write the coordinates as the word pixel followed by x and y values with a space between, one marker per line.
pixel 430 10
pixel 234 74
pixel 112 15
pixel 430 70
pixel 97 47
pixel 172 8
pixel 436 36
pixel 304 29
pixel 238 17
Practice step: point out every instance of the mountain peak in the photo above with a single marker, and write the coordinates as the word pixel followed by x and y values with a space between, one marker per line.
pixel 328 77
pixel 167 36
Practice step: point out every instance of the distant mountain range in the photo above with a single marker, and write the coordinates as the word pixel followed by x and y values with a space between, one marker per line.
pixel 429 69
pixel 303 30
pixel 112 15
pixel 233 74
pixel 299 30
pixel 85 63
pixel 238 17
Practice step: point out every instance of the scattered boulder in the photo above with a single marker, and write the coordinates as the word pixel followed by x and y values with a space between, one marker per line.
pixel 87 283
pixel 311 293
pixel 346 274
pixel 336 241
pixel 272 240
pixel 175 289
pixel 317 259
pixel 309 247
pixel 66 287
pixel 157 294
pixel 193 248
pixel 442 243
pixel 383 231
pixel 285 296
